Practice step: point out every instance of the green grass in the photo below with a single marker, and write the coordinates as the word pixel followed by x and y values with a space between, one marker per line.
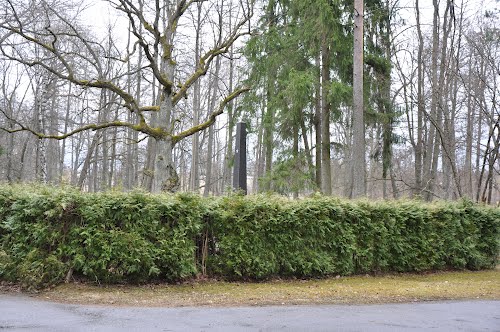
pixel 341 290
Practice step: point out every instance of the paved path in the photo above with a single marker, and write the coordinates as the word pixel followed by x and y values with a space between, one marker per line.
pixel 21 313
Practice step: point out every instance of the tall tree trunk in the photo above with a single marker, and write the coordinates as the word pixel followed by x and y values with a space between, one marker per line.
pixel 195 160
pixel 230 128
pixel 358 149
pixel 215 88
pixel 149 164
pixel 259 155
pixel 326 172
pixel 104 144
pixel 295 155
pixel 63 143
pixel 469 136
pixel 268 137
pixel 431 147
pixel 419 153
pixel 53 153
pixel 10 143
pixel 268 121
pixel 317 123
pixel 41 102
pixel 127 162
pixel 386 104
pixel 480 103
pixel 165 176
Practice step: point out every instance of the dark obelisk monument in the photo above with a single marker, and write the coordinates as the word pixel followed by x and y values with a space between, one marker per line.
pixel 240 159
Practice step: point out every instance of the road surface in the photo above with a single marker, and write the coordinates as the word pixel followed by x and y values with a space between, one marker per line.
pixel 23 313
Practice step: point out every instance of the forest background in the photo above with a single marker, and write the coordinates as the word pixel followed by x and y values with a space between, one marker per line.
pixel 124 94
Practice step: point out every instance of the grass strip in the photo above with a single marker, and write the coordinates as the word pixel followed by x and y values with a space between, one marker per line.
pixel 341 290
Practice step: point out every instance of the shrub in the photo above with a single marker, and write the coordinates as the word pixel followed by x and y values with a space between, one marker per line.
pixel 264 236
pixel 48 233
pixel 106 237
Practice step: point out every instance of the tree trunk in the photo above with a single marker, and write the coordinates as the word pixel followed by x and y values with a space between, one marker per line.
pixel 307 149
pixel 317 123
pixel 295 154
pixel 358 149
pixel 195 160
pixel 230 128
pixel 469 136
pixel 259 155
pixel 326 172
pixel 41 102
pixel 431 146
pixel 63 143
pixel 10 147
pixel 420 109
pixel 53 153
pixel 88 159
pixel 165 177
pixel 215 88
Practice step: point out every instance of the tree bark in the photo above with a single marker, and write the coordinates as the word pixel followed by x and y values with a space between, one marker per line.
pixel 195 160
pixel 419 153
pixel 165 178
pixel 317 124
pixel 215 87
pixel 326 172
pixel 359 145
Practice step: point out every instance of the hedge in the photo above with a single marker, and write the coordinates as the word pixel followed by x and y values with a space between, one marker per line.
pixel 50 234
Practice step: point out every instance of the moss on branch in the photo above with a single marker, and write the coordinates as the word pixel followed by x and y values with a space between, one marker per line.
pixel 211 119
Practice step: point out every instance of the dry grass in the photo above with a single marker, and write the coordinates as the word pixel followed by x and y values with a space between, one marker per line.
pixel 352 290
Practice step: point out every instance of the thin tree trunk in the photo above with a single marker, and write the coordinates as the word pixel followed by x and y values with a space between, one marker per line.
pixel 88 159
pixel 230 128
pixel 469 137
pixel 259 155
pixel 419 153
pixel 326 172
pixel 215 83
pixel 53 152
pixel 310 165
pixel 63 143
pixel 295 154
pixel 317 123
pixel 195 161
pixel 41 169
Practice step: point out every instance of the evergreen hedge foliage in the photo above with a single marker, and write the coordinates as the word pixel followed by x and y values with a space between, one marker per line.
pixel 48 234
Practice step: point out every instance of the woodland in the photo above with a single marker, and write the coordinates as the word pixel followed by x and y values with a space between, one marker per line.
pixel 384 99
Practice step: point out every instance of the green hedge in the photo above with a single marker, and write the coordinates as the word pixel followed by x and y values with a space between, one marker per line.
pixel 48 234
pixel 108 237
pixel 261 236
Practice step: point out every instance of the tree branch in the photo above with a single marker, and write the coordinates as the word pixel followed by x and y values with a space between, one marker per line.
pixel 141 127
pixel 212 117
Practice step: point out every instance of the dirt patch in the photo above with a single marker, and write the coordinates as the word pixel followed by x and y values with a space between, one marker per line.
pixel 339 290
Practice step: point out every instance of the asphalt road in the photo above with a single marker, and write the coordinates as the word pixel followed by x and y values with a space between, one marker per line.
pixel 22 313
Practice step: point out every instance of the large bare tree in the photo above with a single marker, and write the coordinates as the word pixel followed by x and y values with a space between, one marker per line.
pixel 65 49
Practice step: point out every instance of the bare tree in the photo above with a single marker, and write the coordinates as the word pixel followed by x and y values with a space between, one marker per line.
pixel 160 22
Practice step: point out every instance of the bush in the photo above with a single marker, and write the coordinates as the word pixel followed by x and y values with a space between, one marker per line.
pixel 49 233
pixel 264 236
pixel 105 237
